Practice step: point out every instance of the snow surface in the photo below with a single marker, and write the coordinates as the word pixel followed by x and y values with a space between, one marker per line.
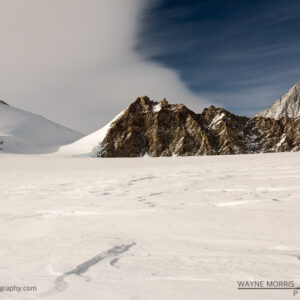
pixel 88 145
pixel 152 228
pixel 25 132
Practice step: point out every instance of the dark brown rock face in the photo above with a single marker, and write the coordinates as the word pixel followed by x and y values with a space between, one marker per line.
pixel 162 129
pixel 270 135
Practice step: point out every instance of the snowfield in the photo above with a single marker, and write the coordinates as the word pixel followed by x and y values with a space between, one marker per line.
pixel 149 228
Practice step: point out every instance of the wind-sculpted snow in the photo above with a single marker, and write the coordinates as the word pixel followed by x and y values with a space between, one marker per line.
pixel 153 228
pixel 59 283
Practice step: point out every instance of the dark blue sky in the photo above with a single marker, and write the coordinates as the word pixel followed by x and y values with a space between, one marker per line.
pixel 240 54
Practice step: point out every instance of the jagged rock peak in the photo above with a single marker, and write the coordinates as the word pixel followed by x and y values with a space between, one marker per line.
pixel 2 102
pixel 145 104
pixel 144 101
pixel 164 102
pixel 212 110
pixel 141 104
pixel 215 115
pixel 287 106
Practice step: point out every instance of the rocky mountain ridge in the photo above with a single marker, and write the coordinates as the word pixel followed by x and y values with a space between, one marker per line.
pixel 156 129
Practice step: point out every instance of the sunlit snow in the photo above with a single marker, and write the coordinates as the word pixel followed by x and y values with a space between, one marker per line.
pixel 149 228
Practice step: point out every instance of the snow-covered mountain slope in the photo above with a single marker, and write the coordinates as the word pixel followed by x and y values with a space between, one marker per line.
pixel 88 145
pixel 28 133
pixel 287 106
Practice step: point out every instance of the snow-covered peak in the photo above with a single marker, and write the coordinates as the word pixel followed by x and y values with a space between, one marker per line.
pixel 287 106
pixel 28 133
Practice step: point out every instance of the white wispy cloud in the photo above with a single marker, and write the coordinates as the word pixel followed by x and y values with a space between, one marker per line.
pixel 74 61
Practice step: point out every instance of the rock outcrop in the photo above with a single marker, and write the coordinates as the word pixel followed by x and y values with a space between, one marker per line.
pixel 154 128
